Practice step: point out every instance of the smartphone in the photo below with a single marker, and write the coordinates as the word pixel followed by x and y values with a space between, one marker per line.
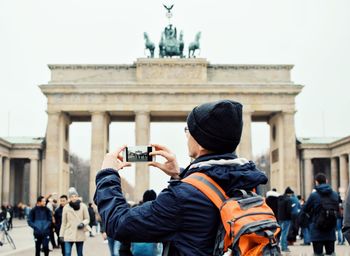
pixel 138 154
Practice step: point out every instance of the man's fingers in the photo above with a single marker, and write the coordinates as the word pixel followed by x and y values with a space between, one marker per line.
pixel 118 151
pixel 160 147
pixel 164 154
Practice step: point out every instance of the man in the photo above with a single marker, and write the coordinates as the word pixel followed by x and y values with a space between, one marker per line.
pixel 51 205
pixel 285 216
pixel 181 216
pixel 92 218
pixel 346 224
pixel 39 220
pixel 58 220
pixel 272 201
pixel 321 237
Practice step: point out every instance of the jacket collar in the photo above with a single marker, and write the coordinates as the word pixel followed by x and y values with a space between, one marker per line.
pixel 206 158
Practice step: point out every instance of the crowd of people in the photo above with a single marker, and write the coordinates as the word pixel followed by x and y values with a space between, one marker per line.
pixel 67 222
pixel 305 219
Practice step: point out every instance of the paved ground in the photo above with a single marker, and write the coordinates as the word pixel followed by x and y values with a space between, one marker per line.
pixel 23 238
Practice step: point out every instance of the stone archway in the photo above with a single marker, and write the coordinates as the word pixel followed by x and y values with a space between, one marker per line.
pixel 165 90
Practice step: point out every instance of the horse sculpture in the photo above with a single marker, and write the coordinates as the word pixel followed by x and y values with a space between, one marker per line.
pixel 194 46
pixel 149 45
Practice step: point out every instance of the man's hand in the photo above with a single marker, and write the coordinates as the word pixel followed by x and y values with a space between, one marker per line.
pixel 115 160
pixel 104 236
pixel 170 167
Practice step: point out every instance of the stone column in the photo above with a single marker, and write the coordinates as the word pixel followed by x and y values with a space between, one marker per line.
pixel 1 172
pixel 142 130
pixel 245 146
pixel 33 182
pixel 334 174
pixel 6 181
pixel 308 177
pixel 284 170
pixel 53 153
pixel 99 145
pixel 289 152
pixel 344 182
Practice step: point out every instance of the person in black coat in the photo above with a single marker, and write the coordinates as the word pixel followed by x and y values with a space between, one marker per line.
pixel 272 201
pixel 58 221
pixel 321 238
pixel 92 216
pixel 285 216
pixel 40 220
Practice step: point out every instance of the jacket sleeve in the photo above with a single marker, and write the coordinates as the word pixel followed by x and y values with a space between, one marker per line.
pixel 64 222
pixel 308 205
pixel 150 222
pixel 86 217
pixel 31 219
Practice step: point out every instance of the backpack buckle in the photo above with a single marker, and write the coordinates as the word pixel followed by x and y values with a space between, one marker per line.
pixel 271 237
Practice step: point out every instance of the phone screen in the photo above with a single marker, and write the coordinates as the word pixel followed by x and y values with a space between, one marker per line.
pixel 138 154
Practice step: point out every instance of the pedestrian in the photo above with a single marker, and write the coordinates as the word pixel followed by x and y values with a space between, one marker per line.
pixel 3 213
pixel 51 206
pixel 346 223
pixel 272 200
pixel 304 222
pixel 323 206
pixel 10 213
pixel 58 221
pixel 92 218
pixel 113 245
pixel 294 226
pixel 340 218
pixel 75 220
pixel 147 249
pixel 285 216
pixel 39 220
pixel 181 216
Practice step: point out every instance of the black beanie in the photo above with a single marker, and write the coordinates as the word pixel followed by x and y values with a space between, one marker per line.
pixel 289 191
pixel 217 126
pixel 149 195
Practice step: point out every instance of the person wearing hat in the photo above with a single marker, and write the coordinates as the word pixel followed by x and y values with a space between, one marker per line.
pixel 75 221
pixel 285 216
pixel 322 237
pixel 181 216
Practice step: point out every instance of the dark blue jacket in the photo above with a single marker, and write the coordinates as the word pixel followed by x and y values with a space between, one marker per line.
pixel 181 214
pixel 58 218
pixel 40 220
pixel 312 206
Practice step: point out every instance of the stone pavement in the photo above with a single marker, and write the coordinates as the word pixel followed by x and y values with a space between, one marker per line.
pixel 22 235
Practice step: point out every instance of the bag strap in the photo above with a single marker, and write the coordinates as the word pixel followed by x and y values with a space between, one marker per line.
pixel 207 186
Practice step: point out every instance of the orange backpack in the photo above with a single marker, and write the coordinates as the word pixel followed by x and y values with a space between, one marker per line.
pixel 248 226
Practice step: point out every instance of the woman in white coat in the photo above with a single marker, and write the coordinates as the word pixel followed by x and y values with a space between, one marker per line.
pixel 75 220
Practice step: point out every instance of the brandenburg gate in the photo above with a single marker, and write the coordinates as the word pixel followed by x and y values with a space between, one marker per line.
pixel 165 89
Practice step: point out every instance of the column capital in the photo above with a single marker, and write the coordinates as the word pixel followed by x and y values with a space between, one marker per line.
pixel 53 112
pixel 307 158
pixel 247 112
pixel 98 112
pixel 142 112
pixel 289 112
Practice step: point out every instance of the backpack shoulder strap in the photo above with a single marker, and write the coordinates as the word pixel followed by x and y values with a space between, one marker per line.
pixel 207 186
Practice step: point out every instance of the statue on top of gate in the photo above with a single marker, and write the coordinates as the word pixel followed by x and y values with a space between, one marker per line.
pixel 170 44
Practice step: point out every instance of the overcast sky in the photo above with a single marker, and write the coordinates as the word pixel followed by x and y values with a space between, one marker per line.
pixel 313 35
